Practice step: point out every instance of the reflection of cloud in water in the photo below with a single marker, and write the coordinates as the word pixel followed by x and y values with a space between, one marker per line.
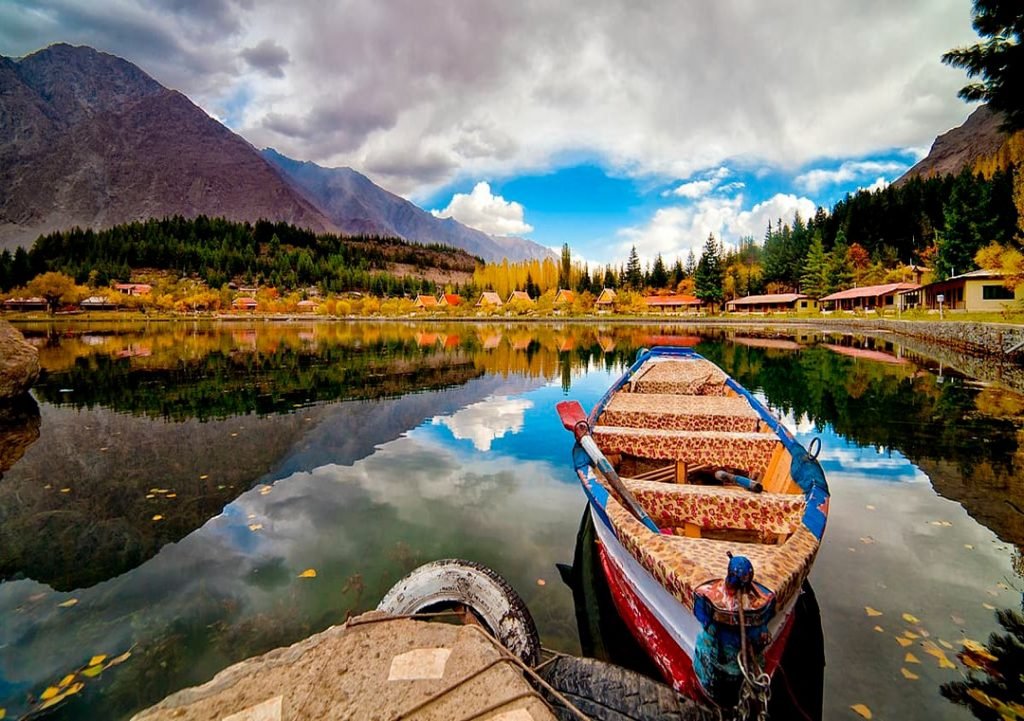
pixel 484 422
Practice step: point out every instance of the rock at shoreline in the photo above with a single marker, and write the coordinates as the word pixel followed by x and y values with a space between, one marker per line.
pixel 19 362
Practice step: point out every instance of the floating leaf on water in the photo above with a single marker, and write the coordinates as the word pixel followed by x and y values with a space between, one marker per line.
pixel 96 660
pixel 872 611
pixel 234 435
pixel 909 675
pixel 932 650
pixel 255 527
pixel 910 634
pixel 49 693
pixel 861 710
pixel 150 495
pixel 958 620
pixel 117 660
pixel 308 573
pixel 911 658
pixel 879 629
pixel 104 449
pixel 978 650
pixel 1002 586
pixel 541 582
pixel 264 490
pixel 943 524
pixel 988 606
pixel 204 476
pixel 92 671
pixel 172 495
pixel 158 517
pixel 866 540
pixel 904 642
pixel 3 713
pixel 870 507
pixel 969 546
pixel 69 603
pixel 946 644
pixel 66 680
pixel 65 490
pixel 910 618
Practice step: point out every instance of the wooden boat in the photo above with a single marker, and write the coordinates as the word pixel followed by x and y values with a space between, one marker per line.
pixel 709 533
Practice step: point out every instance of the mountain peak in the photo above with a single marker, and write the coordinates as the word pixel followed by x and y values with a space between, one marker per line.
pixel 980 137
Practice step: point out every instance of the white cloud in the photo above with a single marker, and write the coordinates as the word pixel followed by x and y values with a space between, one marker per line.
pixel 699 188
pixel 484 422
pixel 880 184
pixel 814 180
pixel 675 230
pixel 492 89
pixel 485 211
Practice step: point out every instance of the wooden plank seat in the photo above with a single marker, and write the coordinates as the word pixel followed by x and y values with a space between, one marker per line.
pixel 749 452
pixel 718 507
pixel 680 413
pixel 691 377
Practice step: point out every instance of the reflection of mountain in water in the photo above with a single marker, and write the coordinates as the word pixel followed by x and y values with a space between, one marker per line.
pixel 93 485
pixel 967 439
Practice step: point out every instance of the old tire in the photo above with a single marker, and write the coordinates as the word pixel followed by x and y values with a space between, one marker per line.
pixel 606 692
pixel 453 582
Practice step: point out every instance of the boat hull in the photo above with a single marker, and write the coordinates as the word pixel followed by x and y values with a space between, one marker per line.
pixel 664 628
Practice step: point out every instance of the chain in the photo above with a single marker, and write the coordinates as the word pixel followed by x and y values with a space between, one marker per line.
pixel 756 687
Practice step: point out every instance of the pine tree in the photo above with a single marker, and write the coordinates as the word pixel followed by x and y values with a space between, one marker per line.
pixel 634 276
pixel 691 264
pixel 659 276
pixel 814 279
pixel 710 274
pixel 678 273
pixel 839 272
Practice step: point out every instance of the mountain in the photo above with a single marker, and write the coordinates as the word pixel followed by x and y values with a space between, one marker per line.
pixel 979 144
pixel 355 204
pixel 89 139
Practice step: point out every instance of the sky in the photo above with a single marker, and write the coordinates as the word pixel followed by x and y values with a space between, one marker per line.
pixel 606 124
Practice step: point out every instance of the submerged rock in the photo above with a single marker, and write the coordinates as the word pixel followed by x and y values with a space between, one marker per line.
pixel 19 362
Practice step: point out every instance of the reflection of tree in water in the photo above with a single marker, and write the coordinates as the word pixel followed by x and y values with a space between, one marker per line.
pixel 994 687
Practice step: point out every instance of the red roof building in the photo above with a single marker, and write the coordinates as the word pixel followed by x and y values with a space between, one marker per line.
pixel 449 299
pixel 673 302
pixel 772 303
pixel 868 297
pixel 564 296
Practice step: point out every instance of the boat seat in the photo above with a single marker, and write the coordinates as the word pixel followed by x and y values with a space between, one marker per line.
pixel 692 377
pixel 680 413
pixel 749 452
pixel 683 564
pixel 718 507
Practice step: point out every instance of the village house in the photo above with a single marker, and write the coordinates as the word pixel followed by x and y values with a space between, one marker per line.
pixel 248 304
pixel 306 306
pixel 98 302
pixel 425 301
pixel 489 298
pixel 605 300
pixel 133 288
pixel 564 296
pixel 772 303
pixel 868 297
pixel 449 299
pixel 520 295
pixel 33 303
pixel 673 303
pixel 978 290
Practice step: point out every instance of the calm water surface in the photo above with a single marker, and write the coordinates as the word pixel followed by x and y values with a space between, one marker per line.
pixel 169 483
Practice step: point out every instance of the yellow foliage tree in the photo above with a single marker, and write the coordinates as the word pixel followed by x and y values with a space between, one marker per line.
pixel 56 288
pixel 1003 259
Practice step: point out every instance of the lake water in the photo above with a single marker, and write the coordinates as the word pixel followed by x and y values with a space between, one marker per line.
pixel 169 483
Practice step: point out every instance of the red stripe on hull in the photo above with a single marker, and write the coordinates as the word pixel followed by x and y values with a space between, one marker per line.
pixel 672 660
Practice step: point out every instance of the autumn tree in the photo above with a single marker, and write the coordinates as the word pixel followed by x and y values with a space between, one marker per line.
pixel 56 288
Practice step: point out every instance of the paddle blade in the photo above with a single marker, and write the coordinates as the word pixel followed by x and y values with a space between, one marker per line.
pixel 571 413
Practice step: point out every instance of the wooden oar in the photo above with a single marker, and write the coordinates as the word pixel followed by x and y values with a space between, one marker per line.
pixel 575 419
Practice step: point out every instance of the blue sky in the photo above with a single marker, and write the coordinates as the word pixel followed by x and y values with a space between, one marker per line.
pixel 604 125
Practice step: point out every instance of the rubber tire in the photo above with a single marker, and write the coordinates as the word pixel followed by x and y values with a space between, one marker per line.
pixel 606 692
pixel 495 603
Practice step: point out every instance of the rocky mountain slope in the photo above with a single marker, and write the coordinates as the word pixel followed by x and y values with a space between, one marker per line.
pixel 89 139
pixel 355 204
pixel 979 144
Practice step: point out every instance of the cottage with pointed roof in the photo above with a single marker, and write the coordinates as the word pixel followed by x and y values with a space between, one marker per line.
pixel 606 299
pixel 423 302
pixel 489 298
pixel 449 299
pixel 564 296
pixel 520 295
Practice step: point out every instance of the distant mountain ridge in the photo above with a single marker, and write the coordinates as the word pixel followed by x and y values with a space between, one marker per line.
pixel 979 144
pixel 355 204
pixel 88 139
